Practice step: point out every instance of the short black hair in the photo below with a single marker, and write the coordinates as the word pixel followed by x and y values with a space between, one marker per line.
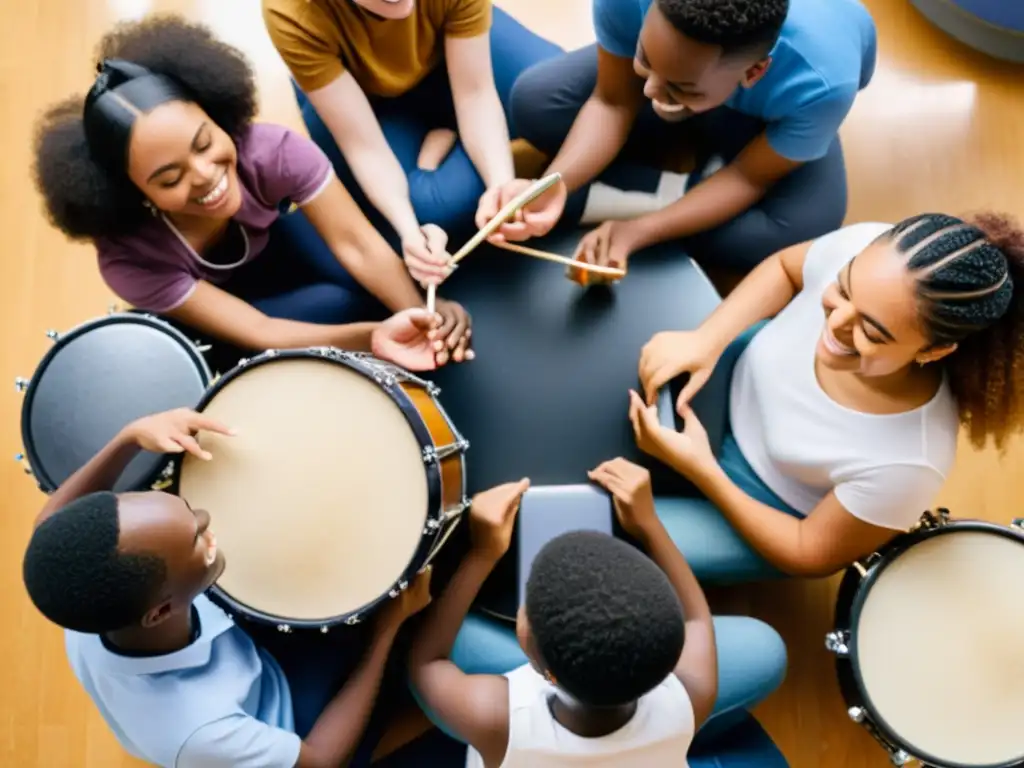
pixel 83 200
pixel 77 577
pixel 739 26
pixel 607 623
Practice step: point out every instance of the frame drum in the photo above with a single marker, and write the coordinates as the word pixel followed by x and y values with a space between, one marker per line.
pixel 928 644
pixel 96 379
pixel 344 480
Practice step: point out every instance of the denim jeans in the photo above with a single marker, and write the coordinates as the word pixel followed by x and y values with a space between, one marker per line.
pixel 447 196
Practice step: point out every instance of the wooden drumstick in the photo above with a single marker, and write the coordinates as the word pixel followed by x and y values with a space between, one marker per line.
pixel 525 197
pixel 559 259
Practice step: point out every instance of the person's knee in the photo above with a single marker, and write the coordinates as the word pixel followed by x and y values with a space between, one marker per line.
pixel 543 105
pixel 447 197
pixel 484 646
pixel 752 660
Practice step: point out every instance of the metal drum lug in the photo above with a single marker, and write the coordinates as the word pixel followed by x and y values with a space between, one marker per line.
pixel 399 588
pixel 838 642
pixel 899 757
pixel 284 628
pixel 353 620
pixel 1018 522
pixel 52 335
pixel 20 384
pixel 857 714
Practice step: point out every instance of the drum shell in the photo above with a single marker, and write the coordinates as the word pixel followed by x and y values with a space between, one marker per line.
pixel 853 591
pixel 443 451
pixel 148 468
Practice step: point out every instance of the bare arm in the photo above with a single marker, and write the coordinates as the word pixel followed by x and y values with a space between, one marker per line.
pixel 347 113
pixel 474 707
pixel 762 294
pixel 483 129
pixel 827 540
pixel 214 311
pixel 99 474
pixel 718 199
pixel 360 249
pixel 603 124
pixel 698 665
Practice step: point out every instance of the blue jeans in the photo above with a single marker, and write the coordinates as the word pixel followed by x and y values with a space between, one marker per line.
pixel 297 277
pixel 715 551
pixel 447 196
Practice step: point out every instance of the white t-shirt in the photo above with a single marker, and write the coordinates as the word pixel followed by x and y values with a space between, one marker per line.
pixel 217 703
pixel 885 469
pixel 657 736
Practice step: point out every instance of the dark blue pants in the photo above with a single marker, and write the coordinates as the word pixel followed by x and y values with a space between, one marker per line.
pixel 808 203
pixel 448 196
pixel 296 277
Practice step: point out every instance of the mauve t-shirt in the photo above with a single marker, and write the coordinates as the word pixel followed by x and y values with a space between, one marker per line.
pixel 152 269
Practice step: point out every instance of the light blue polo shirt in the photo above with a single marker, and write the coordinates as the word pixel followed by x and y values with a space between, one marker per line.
pixel 218 702
pixel 824 56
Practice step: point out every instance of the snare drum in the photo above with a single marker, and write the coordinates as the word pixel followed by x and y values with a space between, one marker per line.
pixel 928 644
pixel 345 479
pixel 95 380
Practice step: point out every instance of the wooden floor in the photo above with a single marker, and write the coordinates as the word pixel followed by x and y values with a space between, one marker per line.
pixel 938 129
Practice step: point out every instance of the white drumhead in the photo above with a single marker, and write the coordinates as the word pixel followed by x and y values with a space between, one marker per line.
pixel 938 644
pixel 320 500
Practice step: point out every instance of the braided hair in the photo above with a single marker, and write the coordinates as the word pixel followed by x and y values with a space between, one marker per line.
pixel 968 277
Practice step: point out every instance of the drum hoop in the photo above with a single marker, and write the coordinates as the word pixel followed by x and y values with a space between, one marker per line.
pixel 353 362
pixel 40 472
pixel 887 557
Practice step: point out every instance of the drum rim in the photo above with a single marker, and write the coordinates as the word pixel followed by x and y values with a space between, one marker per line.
pixel 350 360
pixel 39 471
pixel 889 555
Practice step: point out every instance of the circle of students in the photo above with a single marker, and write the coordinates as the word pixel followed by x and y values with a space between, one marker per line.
pixel 893 336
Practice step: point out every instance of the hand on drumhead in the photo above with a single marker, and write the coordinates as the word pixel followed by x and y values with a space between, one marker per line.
pixel 174 432
pixel 404 339
pixel 671 353
pixel 411 601
pixel 493 515
pixel 451 338
pixel 630 487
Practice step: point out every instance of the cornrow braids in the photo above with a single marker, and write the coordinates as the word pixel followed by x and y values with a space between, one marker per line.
pixel 969 275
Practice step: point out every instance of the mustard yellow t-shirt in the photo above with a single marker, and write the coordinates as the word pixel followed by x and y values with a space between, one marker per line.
pixel 321 39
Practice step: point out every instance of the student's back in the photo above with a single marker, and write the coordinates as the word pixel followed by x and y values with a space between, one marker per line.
pixel 658 734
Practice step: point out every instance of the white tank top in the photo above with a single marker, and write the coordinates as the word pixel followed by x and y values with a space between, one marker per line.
pixel 658 734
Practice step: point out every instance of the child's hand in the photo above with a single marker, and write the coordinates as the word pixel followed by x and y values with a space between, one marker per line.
pixel 173 432
pixel 492 517
pixel 630 487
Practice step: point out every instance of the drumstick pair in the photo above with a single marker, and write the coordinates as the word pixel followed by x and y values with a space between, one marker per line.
pixel 524 198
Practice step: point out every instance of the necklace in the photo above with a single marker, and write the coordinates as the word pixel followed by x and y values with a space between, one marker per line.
pixel 192 251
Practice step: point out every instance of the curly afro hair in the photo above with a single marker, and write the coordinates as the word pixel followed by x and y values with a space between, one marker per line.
pixel 82 199
pixel 740 27
pixel 969 275
pixel 77 577
pixel 607 623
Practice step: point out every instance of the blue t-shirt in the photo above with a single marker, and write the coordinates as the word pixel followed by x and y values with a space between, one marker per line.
pixel 218 703
pixel 824 56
